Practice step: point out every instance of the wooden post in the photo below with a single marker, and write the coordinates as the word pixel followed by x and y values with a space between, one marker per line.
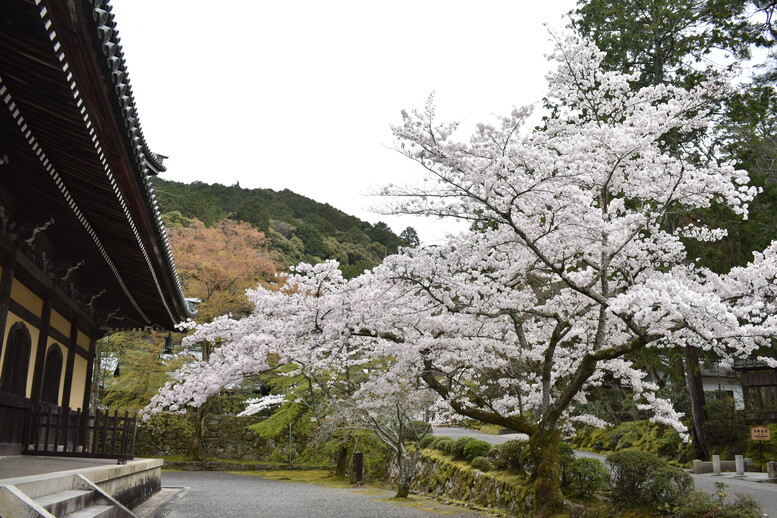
pixel 78 436
pixel 29 429
pixel 60 416
pixel 48 426
pixel 105 434
pixel 95 430
pixel 358 467
pixel 65 424
pixel 124 431
pixel 134 433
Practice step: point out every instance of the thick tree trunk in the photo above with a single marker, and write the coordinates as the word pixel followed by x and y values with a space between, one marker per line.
pixel 406 467
pixel 342 461
pixel 544 451
pixel 698 403
pixel 403 489
pixel 194 450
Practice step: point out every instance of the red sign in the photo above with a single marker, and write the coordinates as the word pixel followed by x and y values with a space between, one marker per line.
pixel 760 433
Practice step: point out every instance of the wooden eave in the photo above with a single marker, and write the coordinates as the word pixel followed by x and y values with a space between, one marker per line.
pixel 76 153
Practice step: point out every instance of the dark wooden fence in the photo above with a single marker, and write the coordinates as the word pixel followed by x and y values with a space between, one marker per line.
pixel 67 433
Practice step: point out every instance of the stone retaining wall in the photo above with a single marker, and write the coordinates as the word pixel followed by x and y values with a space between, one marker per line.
pixel 445 480
pixel 224 437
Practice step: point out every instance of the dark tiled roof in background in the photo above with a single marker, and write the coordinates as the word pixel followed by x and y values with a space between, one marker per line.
pixel 749 364
pixel 717 369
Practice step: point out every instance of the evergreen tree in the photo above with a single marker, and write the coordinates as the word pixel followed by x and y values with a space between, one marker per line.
pixel 410 237
pixel 669 42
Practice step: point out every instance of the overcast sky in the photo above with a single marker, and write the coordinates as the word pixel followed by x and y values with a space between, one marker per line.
pixel 301 95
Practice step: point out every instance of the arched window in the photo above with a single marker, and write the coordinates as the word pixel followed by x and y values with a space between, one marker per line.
pixel 52 372
pixel 17 361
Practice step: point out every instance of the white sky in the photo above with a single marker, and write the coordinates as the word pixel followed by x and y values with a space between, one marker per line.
pixel 301 95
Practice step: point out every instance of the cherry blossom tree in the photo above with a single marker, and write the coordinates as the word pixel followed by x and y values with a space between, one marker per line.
pixel 569 267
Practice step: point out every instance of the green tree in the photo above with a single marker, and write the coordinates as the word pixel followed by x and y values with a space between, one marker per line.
pixel 410 237
pixel 254 212
pixel 314 242
pixel 142 370
pixel 381 233
pixel 664 42
pixel 749 136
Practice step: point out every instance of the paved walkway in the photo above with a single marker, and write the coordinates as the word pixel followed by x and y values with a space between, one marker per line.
pixel 214 494
pixel 14 466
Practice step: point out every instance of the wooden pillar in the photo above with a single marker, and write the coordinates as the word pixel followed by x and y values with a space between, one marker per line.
pixel 89 372
pixel 6 281
pixel 71 359
pixel 40 356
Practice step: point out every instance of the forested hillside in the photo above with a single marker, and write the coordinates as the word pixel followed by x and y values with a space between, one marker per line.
pixel 225 240
pixel 297 228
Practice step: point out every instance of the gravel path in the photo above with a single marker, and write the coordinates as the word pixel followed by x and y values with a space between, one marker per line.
pixel 214 494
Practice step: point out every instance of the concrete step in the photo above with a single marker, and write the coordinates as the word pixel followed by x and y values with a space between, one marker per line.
pixel 93 511
pixel 67 501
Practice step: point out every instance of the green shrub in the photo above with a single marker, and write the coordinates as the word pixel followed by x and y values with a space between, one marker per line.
pixel 566 455
pixel 426 441
pixel 643 435
pixel 743 506
pixel 457 450
pixel 724 423
pixel 643 479
pixel 697 503
pixel 437 439
pixel 513 454
pixel 476 448
pixel 482 464
pixel 585 476
pixel 444 445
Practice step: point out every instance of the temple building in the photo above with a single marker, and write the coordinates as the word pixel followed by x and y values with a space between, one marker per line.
pixel 82 247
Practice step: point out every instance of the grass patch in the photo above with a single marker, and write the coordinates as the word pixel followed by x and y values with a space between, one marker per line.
pixel 318 476
pixel 493 429
pixel 643 435
pixel 423 504
pixel 373 491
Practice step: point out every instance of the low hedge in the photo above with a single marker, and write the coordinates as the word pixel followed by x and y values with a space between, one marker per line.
pixel 642 479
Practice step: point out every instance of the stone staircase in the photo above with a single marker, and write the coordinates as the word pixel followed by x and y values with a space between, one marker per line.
pixel 69 496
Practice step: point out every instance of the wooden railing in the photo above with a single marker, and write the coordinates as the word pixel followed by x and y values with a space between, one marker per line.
pixel 67 433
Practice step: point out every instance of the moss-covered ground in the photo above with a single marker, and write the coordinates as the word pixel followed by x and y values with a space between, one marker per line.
pixel 643 435
pixel 181 463
pixel 666 442
pixel 375 491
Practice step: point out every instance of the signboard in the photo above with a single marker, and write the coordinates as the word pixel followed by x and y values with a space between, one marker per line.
pixel 760 433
